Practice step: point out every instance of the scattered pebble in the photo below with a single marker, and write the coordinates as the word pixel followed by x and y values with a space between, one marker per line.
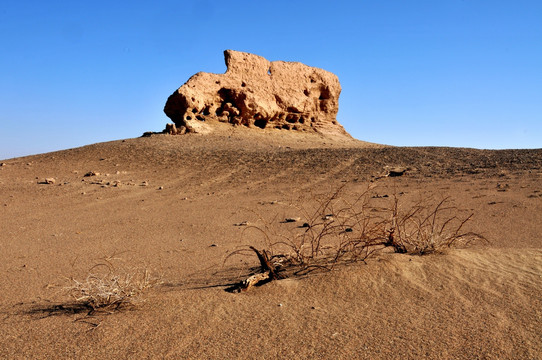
pixel 268 202
pixel 91 173
pixel 49 181
pixel 3 164
pixel 292 219
pixel 242 223
pixel 144 183
pixel 397 171
pixel 161 188
pixel 214 245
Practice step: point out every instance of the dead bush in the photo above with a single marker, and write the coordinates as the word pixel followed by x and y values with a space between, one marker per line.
pixel 427 227
pixel 345 227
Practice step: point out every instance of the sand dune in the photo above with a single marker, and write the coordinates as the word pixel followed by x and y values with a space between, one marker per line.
pixel 170 204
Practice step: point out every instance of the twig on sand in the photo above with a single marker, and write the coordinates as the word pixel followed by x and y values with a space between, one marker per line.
pixel 268 273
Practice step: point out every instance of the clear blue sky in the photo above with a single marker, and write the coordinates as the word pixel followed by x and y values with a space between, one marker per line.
pixel 446 73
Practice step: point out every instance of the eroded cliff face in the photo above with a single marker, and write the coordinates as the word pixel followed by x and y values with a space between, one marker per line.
pixel 259 94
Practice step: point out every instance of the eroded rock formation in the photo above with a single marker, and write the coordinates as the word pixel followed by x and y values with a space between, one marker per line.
pixel 257 93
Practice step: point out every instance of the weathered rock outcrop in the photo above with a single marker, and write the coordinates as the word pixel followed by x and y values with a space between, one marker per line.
pixel 257 93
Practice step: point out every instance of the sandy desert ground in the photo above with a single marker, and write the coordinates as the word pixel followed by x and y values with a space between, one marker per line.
pixel 170 204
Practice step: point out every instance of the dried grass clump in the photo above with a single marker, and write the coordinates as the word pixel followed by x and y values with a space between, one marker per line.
pixel 111 290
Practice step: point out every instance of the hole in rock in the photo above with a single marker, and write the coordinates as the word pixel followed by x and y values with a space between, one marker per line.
pixel 200 117
pixel 194 110
pixel 292 109
pixel 227 96
pixel 188 118
pixel 261 123
pixel 324 94
pixel 306 92
pixel 269 71
pixel 291 119
pixel 286 126
pixel 243 84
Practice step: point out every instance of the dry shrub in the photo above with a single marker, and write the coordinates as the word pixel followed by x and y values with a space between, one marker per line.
pixel 111 289
pixel 339 228
pixel 336 229
pixel 343 227
pixel 427 228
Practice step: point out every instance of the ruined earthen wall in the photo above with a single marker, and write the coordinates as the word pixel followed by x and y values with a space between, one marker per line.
pixel 257 93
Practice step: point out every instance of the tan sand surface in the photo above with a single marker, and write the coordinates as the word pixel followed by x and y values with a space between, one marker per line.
pixel 169 204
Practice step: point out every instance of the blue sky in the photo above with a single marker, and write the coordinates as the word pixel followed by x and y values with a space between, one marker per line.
pixel 444 73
